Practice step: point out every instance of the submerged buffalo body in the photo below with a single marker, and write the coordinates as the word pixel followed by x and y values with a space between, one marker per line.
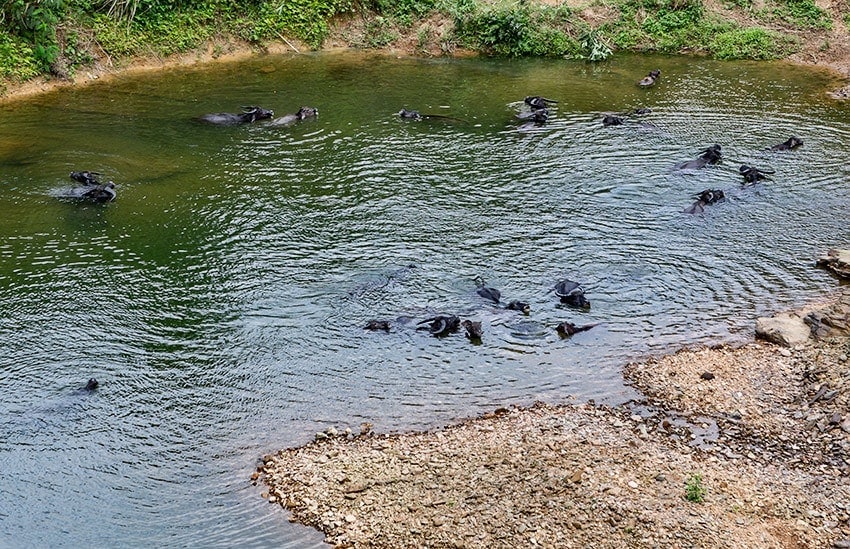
pixel 91 189
pixel 650 79
pixel 709 156
pixel 706 197
pixel 248 115
pixel 302 114
pixel 93 193
pixel 752 174
pixel 792 143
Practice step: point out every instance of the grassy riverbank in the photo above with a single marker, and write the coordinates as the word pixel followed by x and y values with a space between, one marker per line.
pixel 58 41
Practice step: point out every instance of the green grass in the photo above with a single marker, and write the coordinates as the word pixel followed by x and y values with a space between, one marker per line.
pixel 752 43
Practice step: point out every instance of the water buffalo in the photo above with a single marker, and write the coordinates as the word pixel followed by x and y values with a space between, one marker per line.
pixel 710 155
pixel 412 115
pixel 538 102
pixel 520 306
pixel 377 325
pixel 571 293
pixel 487 292
pixel 96 193
pixel 566 329
pixel 533 119
pixel 416 115
pixel 474 331
pixel 440 325
pixel 650 79
pixel 90 190
pixel 752 174
pixel 248 115
pixel 612 120
pixel 302 114
pixel 86 178
pixel 791 143
pixel 706 197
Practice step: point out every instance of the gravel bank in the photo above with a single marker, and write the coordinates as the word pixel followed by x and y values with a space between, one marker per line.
pixel 761 429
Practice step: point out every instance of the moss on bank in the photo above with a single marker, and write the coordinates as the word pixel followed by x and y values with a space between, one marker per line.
pixel 59 37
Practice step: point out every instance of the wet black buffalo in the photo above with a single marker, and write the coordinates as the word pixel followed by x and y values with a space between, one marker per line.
pixel 487 292
pixel 650 79
pixel 441 325
pixel 612 120
pixel 706 197
pixel 752 174
pixel 535 118
pixel 248 116
pixel 520 306
pixel 537 102
pixel 710 155
pixel 91 190
pixel 86 178
pixel 377 325
pixel 94 193
pixel 302 114
pixel 566 329
pixel 790 144
pixel 474 331
pixel 571 293
pixel 416 115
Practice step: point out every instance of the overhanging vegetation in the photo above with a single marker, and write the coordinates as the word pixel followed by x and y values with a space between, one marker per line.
pixel 57 37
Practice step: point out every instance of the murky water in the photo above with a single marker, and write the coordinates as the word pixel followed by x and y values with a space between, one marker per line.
pixel 220 299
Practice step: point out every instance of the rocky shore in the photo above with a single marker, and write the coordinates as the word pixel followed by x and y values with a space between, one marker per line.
pixel 731 447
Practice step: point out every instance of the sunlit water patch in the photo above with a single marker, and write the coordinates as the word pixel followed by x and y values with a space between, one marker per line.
pixel 220 300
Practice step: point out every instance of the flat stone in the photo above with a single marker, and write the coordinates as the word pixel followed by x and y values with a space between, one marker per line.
pixel 783 329
pixel 837 261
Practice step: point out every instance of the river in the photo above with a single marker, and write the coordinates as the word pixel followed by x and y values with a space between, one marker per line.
pixel 220 299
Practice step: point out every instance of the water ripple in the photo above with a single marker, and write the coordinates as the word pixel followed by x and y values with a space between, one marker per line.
pixel 221 300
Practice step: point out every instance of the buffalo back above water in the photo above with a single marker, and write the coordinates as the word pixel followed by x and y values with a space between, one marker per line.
pixel 249 115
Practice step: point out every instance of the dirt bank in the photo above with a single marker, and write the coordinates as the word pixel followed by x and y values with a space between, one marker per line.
pixel 741 447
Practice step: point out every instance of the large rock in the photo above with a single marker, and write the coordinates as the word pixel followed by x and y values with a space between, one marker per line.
pixel 837 261
pixel 832 320
pixel 783 329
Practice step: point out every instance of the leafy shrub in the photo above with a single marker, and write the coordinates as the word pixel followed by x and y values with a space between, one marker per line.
pixel 308 19
pixel 36 23
pixel 694 490
pixel 592 47
pixel 552 42
pixel 18 61
pixel 115 37
pixel 502 31
pixel 516 30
